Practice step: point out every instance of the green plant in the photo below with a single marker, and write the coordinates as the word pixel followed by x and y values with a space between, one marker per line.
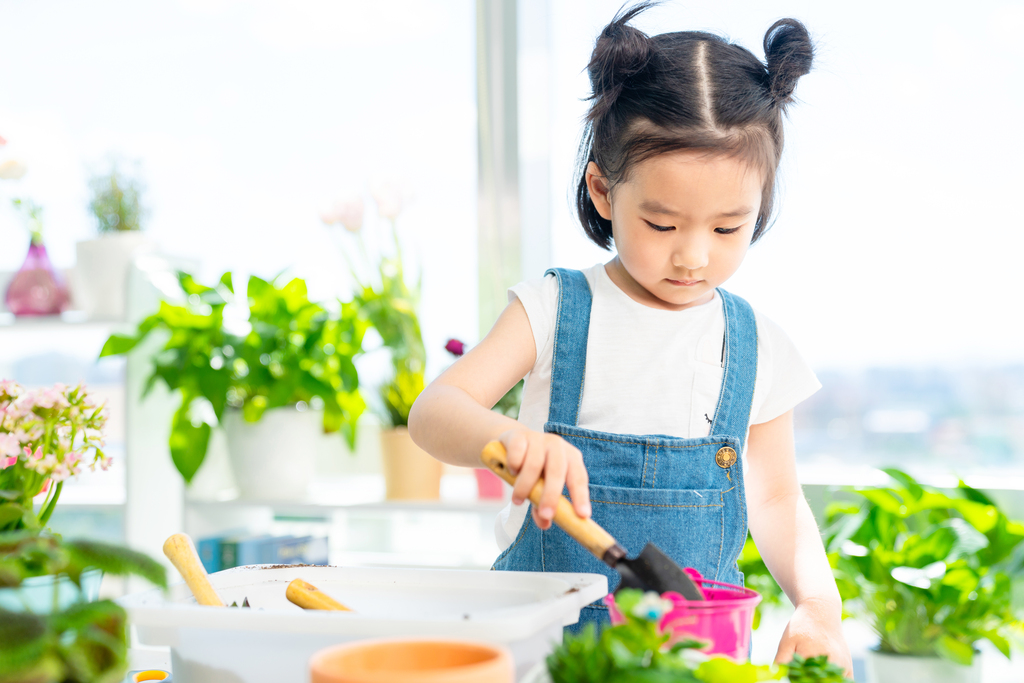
pixel 115 201
pixel 639 651
pixel 33 217
pixel 387 302
pixel 757 577
pixel 270 348
pixel 85 642
pixel 46 436
pixel 931 571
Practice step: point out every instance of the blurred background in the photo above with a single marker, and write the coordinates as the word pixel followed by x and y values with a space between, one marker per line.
pixel 893 262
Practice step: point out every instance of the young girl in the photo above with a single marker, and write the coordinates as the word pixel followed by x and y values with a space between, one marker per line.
pixel 662 403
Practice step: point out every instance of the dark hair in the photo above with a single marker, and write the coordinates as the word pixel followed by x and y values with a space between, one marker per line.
pixel 685 90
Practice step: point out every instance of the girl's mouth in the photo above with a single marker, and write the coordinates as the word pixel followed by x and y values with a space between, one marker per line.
pixel 684 283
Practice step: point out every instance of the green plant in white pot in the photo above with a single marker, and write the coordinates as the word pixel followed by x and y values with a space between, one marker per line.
pixel 931 571
pixel 101 268
pixel 271 366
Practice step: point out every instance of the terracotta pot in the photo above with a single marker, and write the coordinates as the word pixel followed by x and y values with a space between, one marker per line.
pixel 884 667
pixel 406 660
pixel 409 472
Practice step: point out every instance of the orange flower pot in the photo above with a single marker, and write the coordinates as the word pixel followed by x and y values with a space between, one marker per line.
pixel 412 660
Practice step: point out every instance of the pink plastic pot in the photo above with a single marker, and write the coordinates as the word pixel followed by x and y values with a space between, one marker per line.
pixel 724 618
pixel 489 486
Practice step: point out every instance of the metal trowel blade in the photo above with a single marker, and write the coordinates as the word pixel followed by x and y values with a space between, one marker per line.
pixel 654 570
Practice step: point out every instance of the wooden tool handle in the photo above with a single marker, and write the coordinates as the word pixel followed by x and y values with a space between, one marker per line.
pixel 308 596
pixel 585 530
pixel 182 554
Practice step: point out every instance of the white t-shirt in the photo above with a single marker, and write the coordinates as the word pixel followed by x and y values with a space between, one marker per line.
pixel 649 371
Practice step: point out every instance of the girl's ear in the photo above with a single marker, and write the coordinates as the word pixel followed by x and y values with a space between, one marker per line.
pixel 600 194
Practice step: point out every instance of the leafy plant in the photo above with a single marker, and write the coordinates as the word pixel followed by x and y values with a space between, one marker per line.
pixel 46 436
pixel 87 641
pixel 386 301
pixel 757 577
pixel 270 348
pixel 931 571
pixel 33 217
pixel 638 651
pixel 115 201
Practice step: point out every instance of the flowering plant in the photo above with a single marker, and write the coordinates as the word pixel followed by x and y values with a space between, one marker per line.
pixel 384 299
pixel 46 436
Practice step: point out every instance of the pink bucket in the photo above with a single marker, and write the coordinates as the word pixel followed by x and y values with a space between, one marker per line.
pixel 724 618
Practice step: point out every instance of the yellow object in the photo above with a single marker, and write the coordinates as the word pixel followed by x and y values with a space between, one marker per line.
pixel 308 596
pixel 182 554
pixel 151 675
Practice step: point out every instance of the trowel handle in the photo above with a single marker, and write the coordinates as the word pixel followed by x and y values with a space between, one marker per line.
pixel 308 596
pixel 182 554
pixel 589 533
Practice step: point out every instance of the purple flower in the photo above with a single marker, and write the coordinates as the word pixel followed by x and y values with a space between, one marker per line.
pixel 455 347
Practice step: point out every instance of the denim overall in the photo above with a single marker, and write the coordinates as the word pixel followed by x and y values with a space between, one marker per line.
pixel 684 495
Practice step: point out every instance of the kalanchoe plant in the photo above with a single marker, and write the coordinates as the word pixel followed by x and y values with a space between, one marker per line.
pixel 638 650
pixel 270 348
pixel 46 436
pixel 931 571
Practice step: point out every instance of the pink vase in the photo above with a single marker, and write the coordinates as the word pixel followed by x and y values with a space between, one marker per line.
pixel 36 289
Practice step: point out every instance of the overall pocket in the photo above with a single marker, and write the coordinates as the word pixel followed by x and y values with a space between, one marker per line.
pixel 687 524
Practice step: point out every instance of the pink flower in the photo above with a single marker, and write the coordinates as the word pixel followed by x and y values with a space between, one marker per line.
pixel 34 456
pixel 2 141
pixel 455 347
pixel 390 199
pixel 8 462
pixel 9 445
pixel 46 487
pixel 347 212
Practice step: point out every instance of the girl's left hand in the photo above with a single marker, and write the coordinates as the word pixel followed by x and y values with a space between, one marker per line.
pixel 816 629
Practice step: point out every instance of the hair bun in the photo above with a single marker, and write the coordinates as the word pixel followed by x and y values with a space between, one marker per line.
pixel 620 54
pixel 788 52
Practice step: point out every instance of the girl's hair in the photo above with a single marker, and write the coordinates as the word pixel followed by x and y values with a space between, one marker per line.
pixel 687 90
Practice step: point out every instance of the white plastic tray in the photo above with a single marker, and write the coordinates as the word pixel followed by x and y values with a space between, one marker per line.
pixel 274 640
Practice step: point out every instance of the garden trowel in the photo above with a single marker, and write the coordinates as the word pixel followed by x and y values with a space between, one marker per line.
pixel 652 569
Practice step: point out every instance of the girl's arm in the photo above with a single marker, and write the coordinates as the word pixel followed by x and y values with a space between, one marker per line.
pixel 788 539
pixel 452 419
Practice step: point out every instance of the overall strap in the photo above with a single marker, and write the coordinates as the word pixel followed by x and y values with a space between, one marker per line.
pixel 739 359
pixel 569 357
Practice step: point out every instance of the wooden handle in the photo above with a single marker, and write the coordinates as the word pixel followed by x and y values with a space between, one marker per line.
pixel 182 554
pixel 585 530
pixel 308 596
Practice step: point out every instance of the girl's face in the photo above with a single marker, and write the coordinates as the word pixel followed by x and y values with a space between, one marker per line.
pixel 682 224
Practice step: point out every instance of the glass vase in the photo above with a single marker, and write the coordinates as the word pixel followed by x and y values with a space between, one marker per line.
pixel 36 289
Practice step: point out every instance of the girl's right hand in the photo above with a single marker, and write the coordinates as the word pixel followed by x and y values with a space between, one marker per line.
pixel 532 455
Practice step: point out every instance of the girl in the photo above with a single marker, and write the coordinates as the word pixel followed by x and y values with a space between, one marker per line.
pixel 662 403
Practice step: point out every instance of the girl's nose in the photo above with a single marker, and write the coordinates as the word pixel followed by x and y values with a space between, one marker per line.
pixel 691 252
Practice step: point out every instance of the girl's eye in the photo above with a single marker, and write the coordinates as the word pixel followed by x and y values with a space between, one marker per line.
pixel 726 231
pixel 660 228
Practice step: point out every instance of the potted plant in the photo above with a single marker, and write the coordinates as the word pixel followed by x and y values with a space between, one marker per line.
pixel 266 365
pixel 102 264
pixel 388 303
pixel 639 650
pixel 932 573
pixel 37 288
pixel 52 627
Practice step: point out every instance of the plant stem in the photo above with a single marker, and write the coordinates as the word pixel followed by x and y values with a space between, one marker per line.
pixel 53 504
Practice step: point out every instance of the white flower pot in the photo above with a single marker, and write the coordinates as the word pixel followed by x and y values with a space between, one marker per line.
pixel 101 273
pixel 273 459
pixel 889 668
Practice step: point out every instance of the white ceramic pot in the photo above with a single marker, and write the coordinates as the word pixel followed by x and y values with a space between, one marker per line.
pixel 273 459
pixel 889 668
pixel 101 273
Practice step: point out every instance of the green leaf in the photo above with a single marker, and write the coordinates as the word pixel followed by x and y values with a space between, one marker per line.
pixel 954 650
pixel 908 482
pixel 116 560
pixel 1001 643
pixel 118 344
pixel 188 443
pixel 225 280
